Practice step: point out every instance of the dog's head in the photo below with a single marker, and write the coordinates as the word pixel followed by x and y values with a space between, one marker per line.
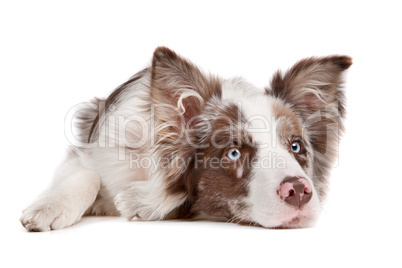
pixel 250 155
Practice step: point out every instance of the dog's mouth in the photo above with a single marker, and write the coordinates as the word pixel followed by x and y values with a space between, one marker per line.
pixel 293 223
pixel 298 221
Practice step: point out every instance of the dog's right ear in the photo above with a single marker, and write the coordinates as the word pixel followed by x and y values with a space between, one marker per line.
pixel 312 84
pixel 178 88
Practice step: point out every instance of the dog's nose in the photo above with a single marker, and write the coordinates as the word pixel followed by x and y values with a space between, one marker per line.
pixel 295 191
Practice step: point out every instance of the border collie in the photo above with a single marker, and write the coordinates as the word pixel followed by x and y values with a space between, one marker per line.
pixel 173 142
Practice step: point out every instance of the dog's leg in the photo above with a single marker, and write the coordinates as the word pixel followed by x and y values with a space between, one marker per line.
pixel 74 191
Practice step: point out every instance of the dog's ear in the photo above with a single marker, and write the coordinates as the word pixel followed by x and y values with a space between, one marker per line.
pixel 312 84
pixel 178 88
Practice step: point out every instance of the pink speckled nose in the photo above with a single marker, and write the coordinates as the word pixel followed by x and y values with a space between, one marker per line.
pixel 295 191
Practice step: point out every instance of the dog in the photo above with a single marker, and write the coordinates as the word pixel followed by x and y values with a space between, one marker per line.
pixel 174 143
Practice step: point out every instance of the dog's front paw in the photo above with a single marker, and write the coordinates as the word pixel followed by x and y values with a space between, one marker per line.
pixel 44 216
pixel 130 207
pixel 137 203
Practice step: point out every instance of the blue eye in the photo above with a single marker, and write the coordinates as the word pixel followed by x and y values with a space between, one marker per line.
pixel 295 147
pixel 234 154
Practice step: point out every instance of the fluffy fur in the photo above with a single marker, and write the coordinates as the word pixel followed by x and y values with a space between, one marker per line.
pixel 174 143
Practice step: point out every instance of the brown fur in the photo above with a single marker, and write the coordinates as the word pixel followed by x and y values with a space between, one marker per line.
pixel 172 76
pixel 228 122
pixel 289 130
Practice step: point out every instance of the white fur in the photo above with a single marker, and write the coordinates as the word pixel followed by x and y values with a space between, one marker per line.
pixel 73 192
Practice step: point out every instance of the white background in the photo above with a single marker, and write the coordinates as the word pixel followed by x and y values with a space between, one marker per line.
pixel 54 55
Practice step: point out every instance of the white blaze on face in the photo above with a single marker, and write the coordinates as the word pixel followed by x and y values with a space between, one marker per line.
pixel 273 162
pixel 239 172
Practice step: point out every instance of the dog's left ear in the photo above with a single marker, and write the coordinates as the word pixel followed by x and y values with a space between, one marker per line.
pixel 312 84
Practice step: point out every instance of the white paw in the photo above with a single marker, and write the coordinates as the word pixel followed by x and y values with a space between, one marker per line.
pixel 47 216
pixel 135 204
pixel 131 208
